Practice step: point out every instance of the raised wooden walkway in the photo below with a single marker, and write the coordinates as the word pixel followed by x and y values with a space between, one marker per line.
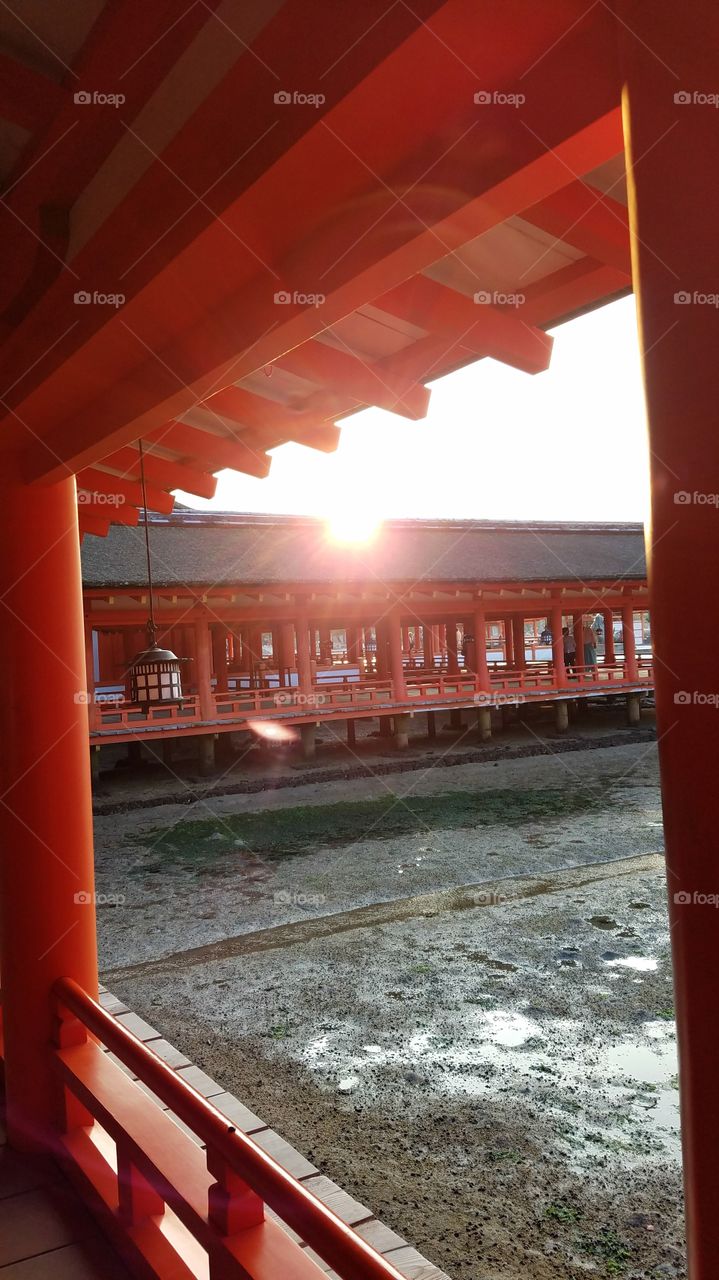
pixel 117 720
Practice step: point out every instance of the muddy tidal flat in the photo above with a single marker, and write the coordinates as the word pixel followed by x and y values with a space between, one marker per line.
pixel 451 992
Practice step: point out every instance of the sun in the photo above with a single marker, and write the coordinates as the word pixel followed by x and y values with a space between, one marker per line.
pixel 353 526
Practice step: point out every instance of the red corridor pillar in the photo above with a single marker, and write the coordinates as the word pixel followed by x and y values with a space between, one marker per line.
pixel 219 657
pixel 609 654
pixel 509 642
pixel 555 626
pixel 669 65
pixel 630 645
pixel 203 658
pixel 399 689
pixel 480 649
pixel 452 654
pixel 304 656
pixel 47 917
pixel 518 642
pixel 428 645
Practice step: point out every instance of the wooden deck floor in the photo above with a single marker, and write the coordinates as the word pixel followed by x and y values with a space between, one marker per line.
pixel 45 1233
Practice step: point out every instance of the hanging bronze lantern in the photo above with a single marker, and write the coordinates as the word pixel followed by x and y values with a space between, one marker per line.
pixel 154 673
pixel 155 676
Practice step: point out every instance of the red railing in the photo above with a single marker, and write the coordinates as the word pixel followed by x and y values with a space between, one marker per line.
pixel 366 693
pixel 170 1207
pixel 120 714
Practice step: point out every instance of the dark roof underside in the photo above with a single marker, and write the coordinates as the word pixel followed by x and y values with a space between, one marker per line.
pixel 261 550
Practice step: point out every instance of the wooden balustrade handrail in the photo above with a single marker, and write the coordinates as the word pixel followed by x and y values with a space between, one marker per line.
pixel 346 1252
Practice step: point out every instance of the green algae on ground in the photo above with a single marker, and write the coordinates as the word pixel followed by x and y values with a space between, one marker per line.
pixel 279 832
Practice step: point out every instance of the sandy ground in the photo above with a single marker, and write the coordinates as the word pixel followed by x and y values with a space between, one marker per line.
pixel 470 1030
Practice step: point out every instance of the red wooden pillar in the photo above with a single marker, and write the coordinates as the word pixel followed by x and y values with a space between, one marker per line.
pixel 555 626
pixel 286 652
pixel 203 660
pixel 383 668
pixel 304 655
pixel 92 715
pixel 452 655
pixel 245 657
pixel 520 652
pixel 669 59
pixel 578 629
pixel 630 647
pixel 428 645
pixel 326 645
pixel 219 657
pixel 609 654
pixel 47 917
pixel 509 642
pixel 480 649
pixel 394 628
pixel 354 644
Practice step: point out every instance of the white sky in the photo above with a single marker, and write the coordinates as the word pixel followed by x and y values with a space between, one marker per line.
pixel 566 444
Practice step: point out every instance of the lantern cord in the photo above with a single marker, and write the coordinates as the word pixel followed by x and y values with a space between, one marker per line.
pixel 151 627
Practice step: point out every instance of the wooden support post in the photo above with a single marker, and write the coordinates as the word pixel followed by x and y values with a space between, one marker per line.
pixel 401 731
pixel 399 689
pixel 634 712
pixel 383 660
pixel 429 647
pixel 47 911
pixel 206 752
pixel 561 716
pixel 219 657
pixel 484 723
pixel 668 56
pixel 480 650
pixel 351 734
pixel 518 644
pixel 509 642
pixel 452 652
pixel 609 654
pixel 578 628
pixel 630 647
pixel 308 739
pixel 555 626
pixel 431 726
pixel 304 657
pixel 203 658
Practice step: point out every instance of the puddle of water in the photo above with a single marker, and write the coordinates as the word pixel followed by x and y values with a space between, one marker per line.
pixel 642 964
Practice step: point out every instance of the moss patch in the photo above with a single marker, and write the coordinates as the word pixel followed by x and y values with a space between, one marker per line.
pixel 281 832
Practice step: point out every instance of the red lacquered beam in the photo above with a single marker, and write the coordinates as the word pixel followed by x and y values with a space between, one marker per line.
pixel 335 1242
